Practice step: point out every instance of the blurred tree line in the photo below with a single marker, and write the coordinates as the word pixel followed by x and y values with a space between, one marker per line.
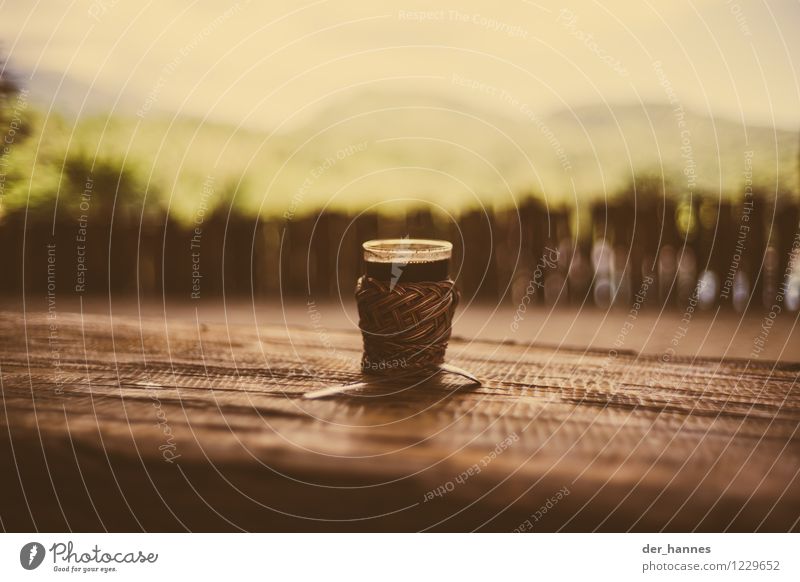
pixel 95 213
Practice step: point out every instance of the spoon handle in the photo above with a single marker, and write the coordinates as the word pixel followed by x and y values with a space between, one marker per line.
pixel 334 390
pixel 451 369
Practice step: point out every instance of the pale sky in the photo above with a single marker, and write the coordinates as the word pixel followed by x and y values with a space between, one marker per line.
pixel 263 64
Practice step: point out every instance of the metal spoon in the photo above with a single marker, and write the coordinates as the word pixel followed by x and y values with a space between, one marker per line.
pixel 343 388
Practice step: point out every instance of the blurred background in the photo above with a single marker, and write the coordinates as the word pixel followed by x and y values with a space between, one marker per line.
pixel 586 160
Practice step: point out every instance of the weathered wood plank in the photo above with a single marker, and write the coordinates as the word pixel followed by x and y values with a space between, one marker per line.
pixel 161 425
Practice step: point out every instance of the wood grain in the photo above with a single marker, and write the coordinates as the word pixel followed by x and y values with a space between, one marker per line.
pixel 161 425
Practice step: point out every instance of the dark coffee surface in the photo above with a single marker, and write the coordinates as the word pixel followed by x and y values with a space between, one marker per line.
pixel 408 272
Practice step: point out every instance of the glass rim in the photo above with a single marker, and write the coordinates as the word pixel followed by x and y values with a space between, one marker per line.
pixel 412 250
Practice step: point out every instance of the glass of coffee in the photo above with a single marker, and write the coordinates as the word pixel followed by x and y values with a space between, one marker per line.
pixel 405 302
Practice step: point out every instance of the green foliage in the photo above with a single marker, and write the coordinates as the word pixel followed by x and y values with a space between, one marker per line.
pixel 185 166
pixel 8 92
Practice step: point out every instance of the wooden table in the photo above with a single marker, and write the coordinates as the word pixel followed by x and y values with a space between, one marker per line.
pixel 161 425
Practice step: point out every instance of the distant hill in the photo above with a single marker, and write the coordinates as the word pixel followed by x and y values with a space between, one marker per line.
pixel 365 149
